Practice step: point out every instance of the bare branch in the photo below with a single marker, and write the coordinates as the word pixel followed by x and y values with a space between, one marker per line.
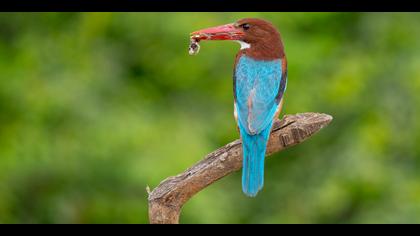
pixel 166 200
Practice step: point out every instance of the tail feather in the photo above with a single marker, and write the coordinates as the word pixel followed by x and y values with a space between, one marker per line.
pixel 254 148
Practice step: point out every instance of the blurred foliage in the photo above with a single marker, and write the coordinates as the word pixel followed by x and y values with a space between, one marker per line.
pixel 94 107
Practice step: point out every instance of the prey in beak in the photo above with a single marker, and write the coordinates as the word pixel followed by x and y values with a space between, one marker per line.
pixel 223 32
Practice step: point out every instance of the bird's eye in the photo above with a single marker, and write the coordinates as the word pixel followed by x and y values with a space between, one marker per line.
pixel 245 26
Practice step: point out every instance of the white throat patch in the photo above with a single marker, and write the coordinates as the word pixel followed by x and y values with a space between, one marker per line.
pixel 243 44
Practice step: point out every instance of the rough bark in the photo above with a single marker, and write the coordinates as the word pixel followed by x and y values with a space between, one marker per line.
pixel 167 199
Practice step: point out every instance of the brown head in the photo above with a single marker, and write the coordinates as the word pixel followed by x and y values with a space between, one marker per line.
pixel 259 39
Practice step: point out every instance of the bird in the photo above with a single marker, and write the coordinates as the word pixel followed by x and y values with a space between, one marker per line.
pixel 259 83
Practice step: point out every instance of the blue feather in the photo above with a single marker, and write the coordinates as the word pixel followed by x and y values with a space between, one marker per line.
pixel 257 84
pixel 254 148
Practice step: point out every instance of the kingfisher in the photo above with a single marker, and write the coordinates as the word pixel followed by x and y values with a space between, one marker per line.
pixel 259 82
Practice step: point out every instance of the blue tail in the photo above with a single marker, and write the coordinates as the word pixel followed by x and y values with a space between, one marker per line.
pixel 254 147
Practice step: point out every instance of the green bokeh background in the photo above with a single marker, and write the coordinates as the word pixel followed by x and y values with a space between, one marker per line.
pixel 94 107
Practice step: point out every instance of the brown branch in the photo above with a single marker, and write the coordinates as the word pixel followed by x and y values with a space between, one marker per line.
pixel 166 200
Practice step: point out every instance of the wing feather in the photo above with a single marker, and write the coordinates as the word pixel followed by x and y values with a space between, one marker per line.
pixel 257 88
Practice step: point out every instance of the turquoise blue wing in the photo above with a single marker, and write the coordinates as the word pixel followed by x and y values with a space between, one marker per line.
pixel 257 90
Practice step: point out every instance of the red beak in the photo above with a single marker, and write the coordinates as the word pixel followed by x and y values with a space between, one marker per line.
pixel 223 32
